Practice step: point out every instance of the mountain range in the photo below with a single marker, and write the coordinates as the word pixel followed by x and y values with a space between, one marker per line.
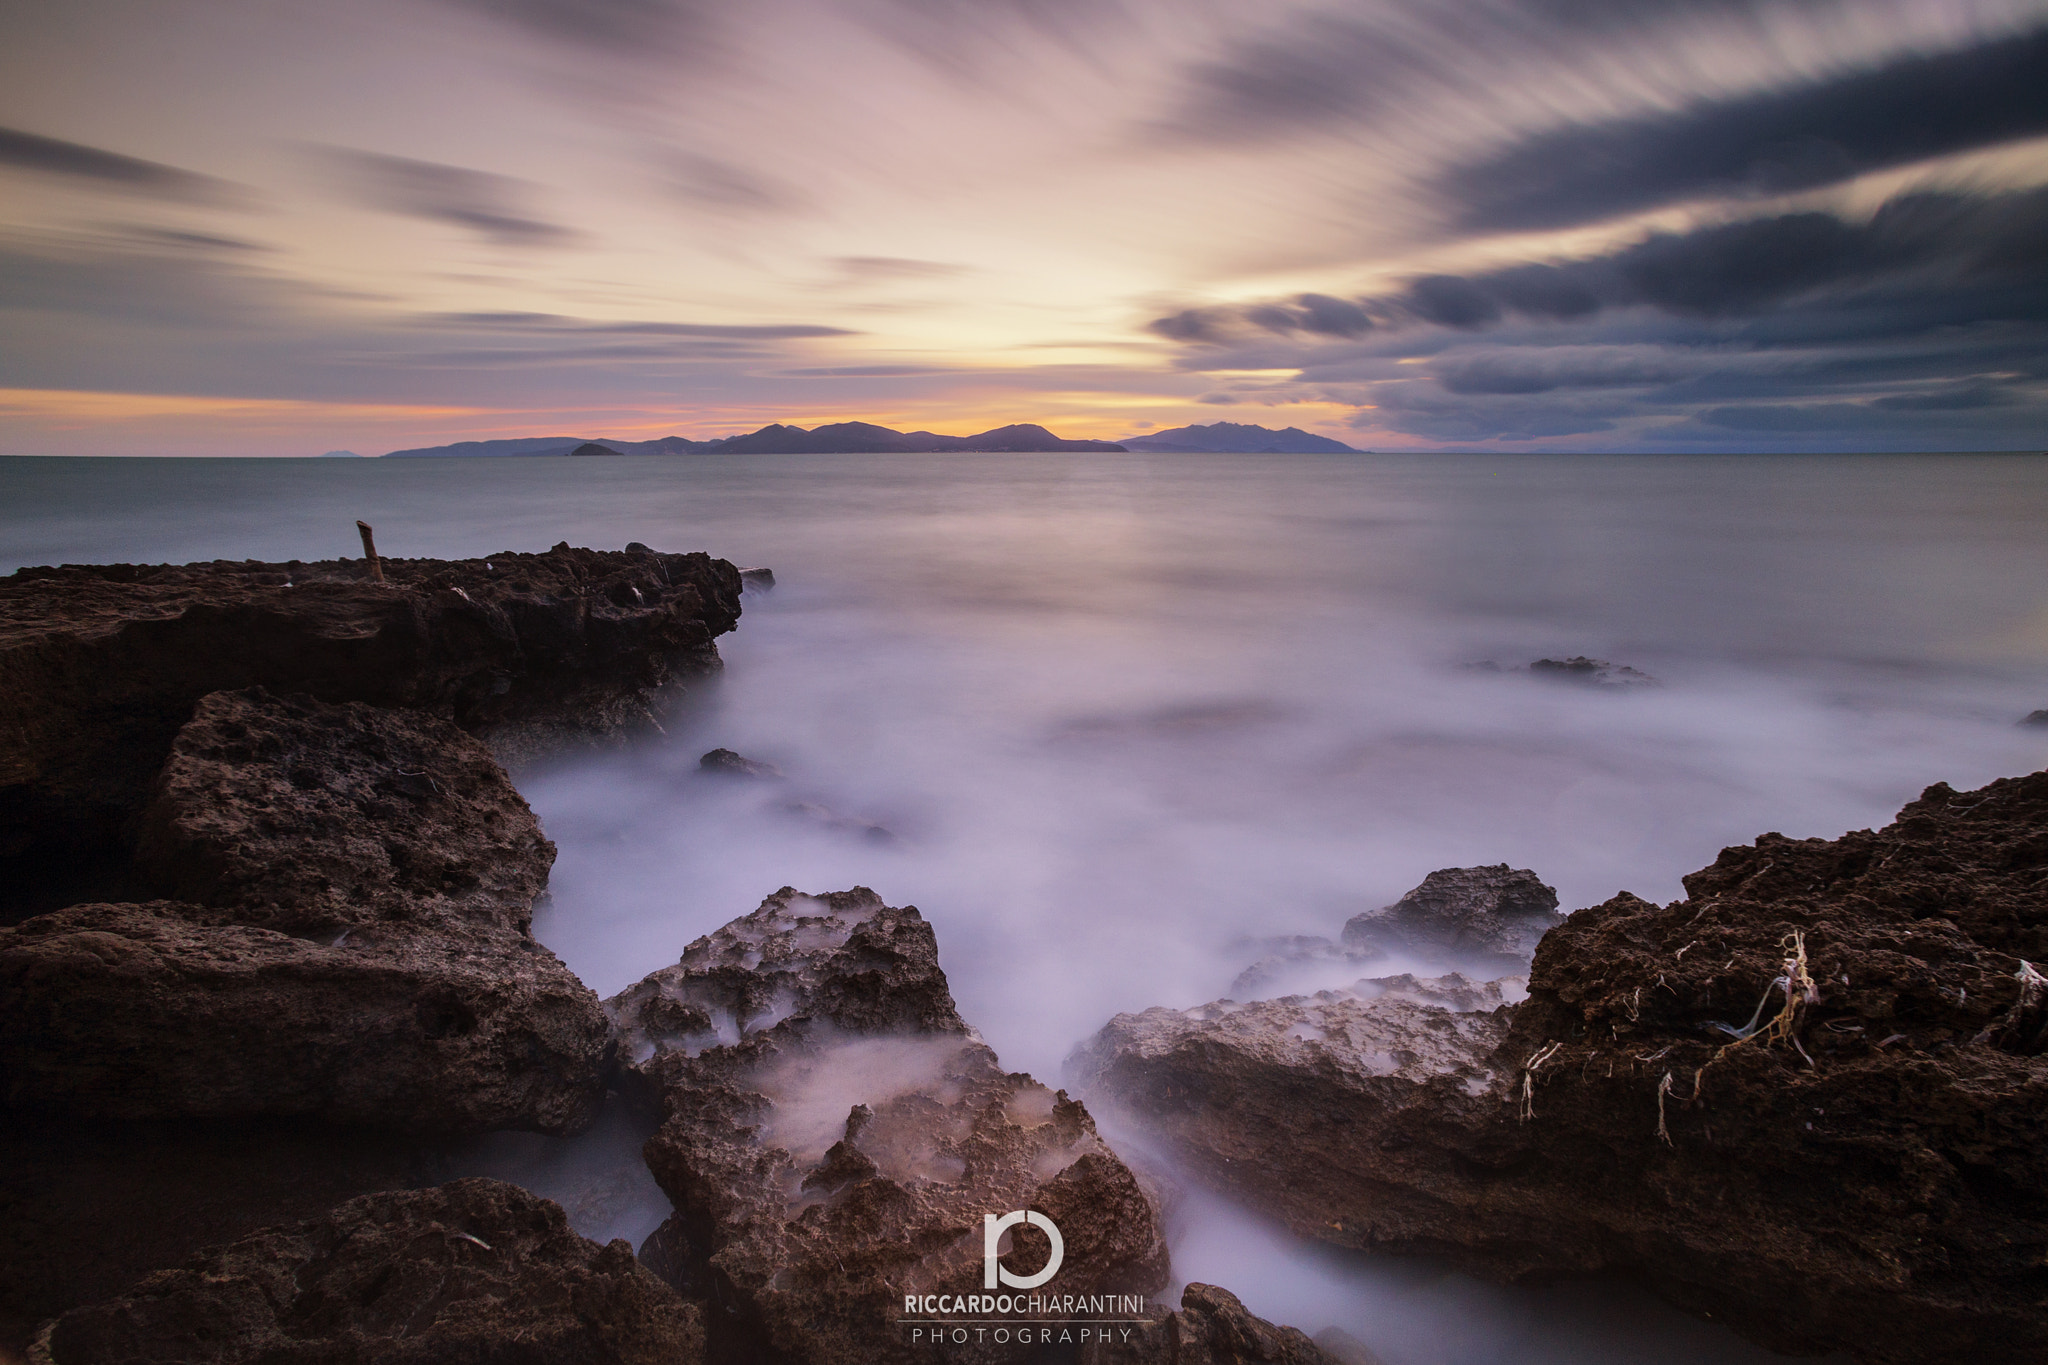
pixel 837 438
pixel 1239 438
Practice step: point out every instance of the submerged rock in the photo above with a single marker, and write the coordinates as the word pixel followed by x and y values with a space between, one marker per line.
pixel 1805 1099
pixel 1591 672
pixel 730 764
pixel 1482 917
pixel 1494 914
pixel 833 1134
pixel 474 1272
pixel 349 941
pixel 757 580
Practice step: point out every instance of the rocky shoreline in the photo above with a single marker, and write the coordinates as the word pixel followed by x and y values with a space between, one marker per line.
pixel 267 952
pixel 1804 1101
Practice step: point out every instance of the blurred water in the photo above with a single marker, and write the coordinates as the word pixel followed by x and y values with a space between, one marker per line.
pixel 1120 716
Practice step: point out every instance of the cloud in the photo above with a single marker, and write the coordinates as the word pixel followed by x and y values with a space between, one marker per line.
pixel 556 323
pixel 1319 68
pixel 51 156
pixel 871 371
pixel 1774 142
pixel 896 268
pixel 629 27
pixel 1925 323
pixel 484 203
pixel 723 184
pixel 1922 260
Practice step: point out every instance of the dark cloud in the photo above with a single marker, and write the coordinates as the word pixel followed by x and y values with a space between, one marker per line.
pixel 1922 260
pixel 629 27
pixel 1779 141
pixel 1338 65
pixel 1924 324
pixel 1542 369
pixel 486 204
pixel 33 152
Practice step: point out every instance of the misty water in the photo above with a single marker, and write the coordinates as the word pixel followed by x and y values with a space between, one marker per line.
pixel 1110 720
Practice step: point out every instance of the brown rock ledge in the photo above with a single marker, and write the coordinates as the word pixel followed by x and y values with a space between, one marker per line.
pixel 1805 1100
pixel 101 664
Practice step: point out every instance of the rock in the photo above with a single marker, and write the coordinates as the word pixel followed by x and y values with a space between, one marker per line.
pixel 1492 914
pixel 727 762
pixel 833 1133
pixel 350 944
pixel 757 580
pixel 89 1206
pixel 101 665
pixel 473 1272
pixel 1805 1099
pixel 1345 1348
pixel 2035 718
pixel 1591 672
pixel 634 547
pixel 314 819
pixel 157 1010
pixel 1212 1328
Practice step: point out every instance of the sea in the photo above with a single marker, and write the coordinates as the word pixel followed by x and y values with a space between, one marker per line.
pixel 1112 722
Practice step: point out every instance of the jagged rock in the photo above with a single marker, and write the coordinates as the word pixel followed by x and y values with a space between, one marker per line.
pixel 727 762
pixel 100 665
pixel 833 1133
pixel 354 944
pixel 476 1272
pixel 1805 1099
pixel 1211 1328
pixel 1591 672
pixel 312 819
pixel 1491 914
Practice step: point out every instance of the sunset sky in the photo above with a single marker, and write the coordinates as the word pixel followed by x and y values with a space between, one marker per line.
pixel 280 227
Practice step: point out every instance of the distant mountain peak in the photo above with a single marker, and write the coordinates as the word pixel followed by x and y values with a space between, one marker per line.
pixel 1239 438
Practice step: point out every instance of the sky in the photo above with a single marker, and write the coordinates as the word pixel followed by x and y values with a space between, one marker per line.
pixel 278 227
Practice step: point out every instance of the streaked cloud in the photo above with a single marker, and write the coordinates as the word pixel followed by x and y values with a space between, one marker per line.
pixel 53 156
pixel 486 204
pixel 1760 145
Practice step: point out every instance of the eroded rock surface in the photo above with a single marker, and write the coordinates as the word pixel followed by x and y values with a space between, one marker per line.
pixel 316 818
pixel 100 665
pixel 1211 1328
pixel 475 1272
pixel 833 1134
pixel 1495 914
pixel 354 948
pixel 1487 918
pixel 1806 1099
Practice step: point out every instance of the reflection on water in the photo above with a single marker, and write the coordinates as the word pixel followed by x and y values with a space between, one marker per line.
pixel 1123 717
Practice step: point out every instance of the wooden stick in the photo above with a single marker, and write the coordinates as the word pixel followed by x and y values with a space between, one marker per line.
pixel 370 552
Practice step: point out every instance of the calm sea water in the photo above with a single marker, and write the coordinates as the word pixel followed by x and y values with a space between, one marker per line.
pixel 1119 716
